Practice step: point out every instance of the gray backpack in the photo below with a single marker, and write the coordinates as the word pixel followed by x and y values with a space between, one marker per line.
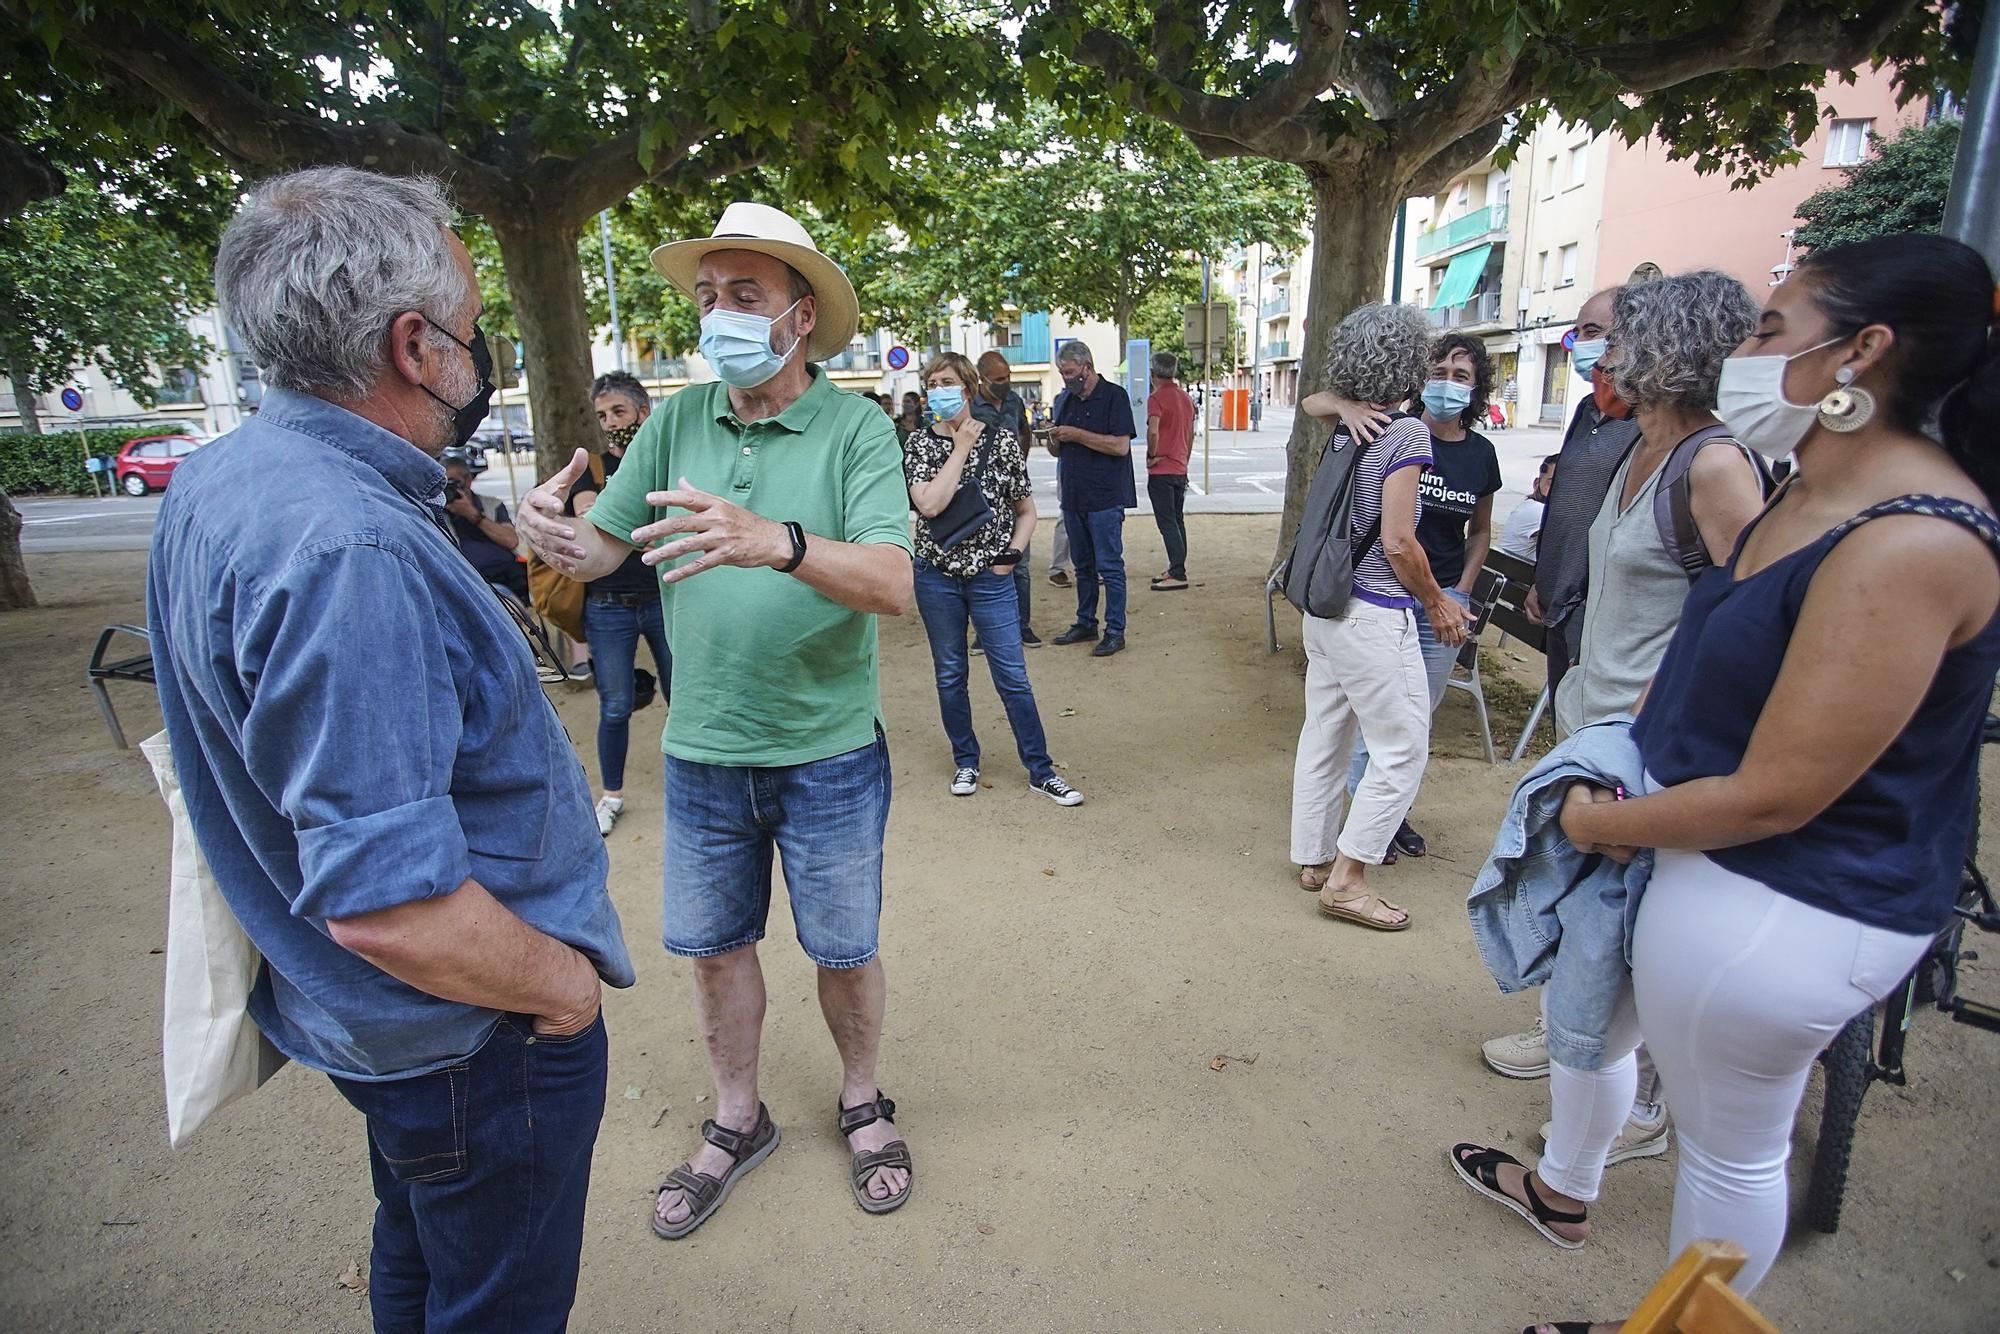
pixel 1673 499
pixel 1318 577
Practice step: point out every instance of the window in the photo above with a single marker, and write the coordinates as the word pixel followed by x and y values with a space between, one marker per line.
pixel 155 450
pixel 1847 142
pixel 1542 272
pixel 1568 266
pixel 1549 179
pixel 180 448
pixel 1499 186
pixel 1578 157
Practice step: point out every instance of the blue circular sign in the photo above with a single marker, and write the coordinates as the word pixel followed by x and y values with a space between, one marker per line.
pixel 72 400
pixel 1569 341
pixel 899 357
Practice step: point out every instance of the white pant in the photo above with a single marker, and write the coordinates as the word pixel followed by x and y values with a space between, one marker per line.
pixel 1059 553
pixel 1364 674
pixel 1736 989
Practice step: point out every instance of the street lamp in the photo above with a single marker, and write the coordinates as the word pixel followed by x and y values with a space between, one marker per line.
pixel 1782 271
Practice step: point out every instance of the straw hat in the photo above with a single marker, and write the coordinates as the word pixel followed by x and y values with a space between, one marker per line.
pixel 770 231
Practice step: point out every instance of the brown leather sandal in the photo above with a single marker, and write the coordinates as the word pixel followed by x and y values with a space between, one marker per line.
pixel 706 1193
pixel 893 1154
pixel 1361 910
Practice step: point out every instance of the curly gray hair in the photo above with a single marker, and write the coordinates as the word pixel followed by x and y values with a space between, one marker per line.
pixel 317 264
pixel 1673 334
pixel 1381 354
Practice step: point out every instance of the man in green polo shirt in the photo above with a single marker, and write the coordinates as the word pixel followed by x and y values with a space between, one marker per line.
pixel 772 505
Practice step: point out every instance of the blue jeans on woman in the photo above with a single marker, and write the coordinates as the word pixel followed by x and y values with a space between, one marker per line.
pixel 988 601
pixel 1438 659
pixel 614 630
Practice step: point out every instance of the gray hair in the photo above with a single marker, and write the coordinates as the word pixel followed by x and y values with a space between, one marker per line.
pixel 1166 365
pixel 1673 335
pixel 317 264
pixel 624 384
pixel 1380 354
pixel 1075 352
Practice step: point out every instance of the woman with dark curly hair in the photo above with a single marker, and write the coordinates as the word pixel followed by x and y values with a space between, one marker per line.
pixel 1364 667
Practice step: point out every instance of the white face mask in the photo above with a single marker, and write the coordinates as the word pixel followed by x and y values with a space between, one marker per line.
pixel 1751 399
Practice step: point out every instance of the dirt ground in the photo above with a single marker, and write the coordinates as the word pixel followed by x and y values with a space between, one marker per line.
pixel 1062 982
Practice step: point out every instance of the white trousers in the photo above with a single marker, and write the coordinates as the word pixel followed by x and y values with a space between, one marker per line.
pixel 1059 553
pixel 1365 677
pixel 1736 989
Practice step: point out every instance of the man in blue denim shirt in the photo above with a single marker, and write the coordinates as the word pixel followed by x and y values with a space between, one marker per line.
pixel 391 807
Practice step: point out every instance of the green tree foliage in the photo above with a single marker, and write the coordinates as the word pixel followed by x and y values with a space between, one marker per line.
pixel 1378 100
pixel 1161 318
pixel 1900 187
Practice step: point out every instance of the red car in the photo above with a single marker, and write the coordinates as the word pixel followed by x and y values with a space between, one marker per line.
pixel 146 464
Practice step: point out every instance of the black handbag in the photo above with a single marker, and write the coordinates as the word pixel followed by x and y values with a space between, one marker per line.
pixel 968 511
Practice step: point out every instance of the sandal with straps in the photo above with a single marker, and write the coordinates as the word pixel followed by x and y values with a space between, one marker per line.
pixel 1477 1166
pixel 705 1193
pixel 893 1154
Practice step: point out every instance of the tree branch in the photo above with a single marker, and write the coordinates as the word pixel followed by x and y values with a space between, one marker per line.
pixel 1454 158
pixel 1322 28
pixel 25 177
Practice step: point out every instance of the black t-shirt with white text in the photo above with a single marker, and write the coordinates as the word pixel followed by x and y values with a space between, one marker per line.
pixel 1461 473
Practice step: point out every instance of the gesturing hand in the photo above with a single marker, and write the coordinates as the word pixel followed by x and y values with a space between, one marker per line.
pixel 543 523
pixel 723 533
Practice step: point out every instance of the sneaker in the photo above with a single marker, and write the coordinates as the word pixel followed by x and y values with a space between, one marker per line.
pixel 1109 645
pixel 965 782
pixel 1060 578
pixel 978 650
pixel 1076 634
pixel 581 672
pixel 1061 793
pixel 1636 1138
pixel 608 811
pixel 1520 1055
pixel 1029 639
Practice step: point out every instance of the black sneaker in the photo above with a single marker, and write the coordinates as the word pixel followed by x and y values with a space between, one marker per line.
pixel 1076 634
pixel 1408 841
pixel 1029 639
pixel 1112 644
pixel 1061 793
pixel 965 782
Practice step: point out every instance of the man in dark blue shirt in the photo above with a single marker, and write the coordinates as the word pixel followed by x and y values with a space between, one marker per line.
pixel 1092 442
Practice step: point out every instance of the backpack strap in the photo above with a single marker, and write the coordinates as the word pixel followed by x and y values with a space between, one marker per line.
pixel 1980 522
pixel 1673 500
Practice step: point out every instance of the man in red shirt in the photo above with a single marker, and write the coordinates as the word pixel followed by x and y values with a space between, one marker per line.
pixel 1169 442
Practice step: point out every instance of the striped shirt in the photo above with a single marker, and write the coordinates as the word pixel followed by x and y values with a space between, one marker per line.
pixel 1405 443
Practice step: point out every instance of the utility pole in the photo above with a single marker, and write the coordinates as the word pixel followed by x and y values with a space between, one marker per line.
pixel 611 288
pixel 1257 329
pixel 1207 371
pixel 1972 208
pixel 1396 265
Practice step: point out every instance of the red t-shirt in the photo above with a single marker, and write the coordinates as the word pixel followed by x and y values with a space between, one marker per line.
pixel 1175 410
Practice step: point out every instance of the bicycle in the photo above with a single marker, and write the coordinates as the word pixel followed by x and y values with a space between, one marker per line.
pixel 1854 1060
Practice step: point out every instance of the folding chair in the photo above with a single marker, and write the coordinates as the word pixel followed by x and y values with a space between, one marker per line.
pixel 1485 589
pixel 1510 618
pixel 1694 1296
pixel 1272 587
pixel 136 668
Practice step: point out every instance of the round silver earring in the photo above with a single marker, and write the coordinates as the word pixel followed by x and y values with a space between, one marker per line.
pixel 1847 408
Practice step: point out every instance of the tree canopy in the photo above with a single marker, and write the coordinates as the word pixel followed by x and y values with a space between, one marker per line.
pixel 1900 187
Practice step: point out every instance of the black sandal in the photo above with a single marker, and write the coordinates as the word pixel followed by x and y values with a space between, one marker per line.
pixel 893 1154
pixel 1477 1166
pixel 704 1192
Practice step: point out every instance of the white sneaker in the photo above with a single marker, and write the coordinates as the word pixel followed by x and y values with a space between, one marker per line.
pixel 1520 1055
pixel 1636 1138
pixel 1061 793
pixel 965 782
pixel 608 811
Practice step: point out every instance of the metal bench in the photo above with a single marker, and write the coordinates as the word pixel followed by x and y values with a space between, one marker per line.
pixel 136 668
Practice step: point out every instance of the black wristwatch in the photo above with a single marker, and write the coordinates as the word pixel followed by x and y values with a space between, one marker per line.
pixel 798 535
pixel 1008 557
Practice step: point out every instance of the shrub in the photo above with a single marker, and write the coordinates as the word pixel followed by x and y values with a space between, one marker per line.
pixel 52 463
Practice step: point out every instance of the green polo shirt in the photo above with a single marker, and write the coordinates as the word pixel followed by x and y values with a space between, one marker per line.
pixel 767 670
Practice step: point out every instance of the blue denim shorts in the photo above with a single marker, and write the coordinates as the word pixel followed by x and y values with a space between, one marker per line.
pixel 827 818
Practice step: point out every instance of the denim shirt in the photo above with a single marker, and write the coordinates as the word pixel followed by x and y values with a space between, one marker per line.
pixel 357 724
pixel 1542 912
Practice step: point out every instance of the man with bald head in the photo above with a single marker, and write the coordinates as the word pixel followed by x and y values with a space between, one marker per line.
pixel 999 404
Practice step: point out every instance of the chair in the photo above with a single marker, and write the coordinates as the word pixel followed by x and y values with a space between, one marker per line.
pixel 1510 617
pixel 1485 589
pixel 1272 587
pixel 1694 1296
pixel 136 668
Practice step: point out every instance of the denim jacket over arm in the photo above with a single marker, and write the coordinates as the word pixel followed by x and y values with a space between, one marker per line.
pixel 1544 913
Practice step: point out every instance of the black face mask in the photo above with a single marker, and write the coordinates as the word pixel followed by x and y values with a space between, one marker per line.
pixel 465 419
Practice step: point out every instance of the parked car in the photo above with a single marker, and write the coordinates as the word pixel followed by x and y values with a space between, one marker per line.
pixel 148 463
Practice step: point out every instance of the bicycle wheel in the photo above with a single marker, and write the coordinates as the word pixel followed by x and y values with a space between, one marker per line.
pixel 1846 1059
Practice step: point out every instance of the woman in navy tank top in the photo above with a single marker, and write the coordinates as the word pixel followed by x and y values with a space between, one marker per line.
pixel 1812 736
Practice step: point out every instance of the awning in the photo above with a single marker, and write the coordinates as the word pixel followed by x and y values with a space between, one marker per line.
pixel 1462 276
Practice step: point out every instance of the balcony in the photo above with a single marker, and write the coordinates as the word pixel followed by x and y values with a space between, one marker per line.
pixel 1483 309
pixel 1278 351
pixel 1462 231
pixel 661 368
pixel 1281 304
pixel 854 361
pixel 1027 342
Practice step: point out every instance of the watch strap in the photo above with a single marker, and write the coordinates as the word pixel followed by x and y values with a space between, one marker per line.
pixel 798 535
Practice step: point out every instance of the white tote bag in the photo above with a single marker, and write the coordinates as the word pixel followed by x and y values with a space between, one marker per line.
pixel 211 1049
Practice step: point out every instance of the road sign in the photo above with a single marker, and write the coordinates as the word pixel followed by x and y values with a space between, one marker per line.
pixel 1217 330
pixel 94 463
pixel 898 358
pixel 1569 341
pixel 72 399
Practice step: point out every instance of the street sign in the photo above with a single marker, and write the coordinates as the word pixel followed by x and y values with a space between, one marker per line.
pixel 898 358
pixel 1138 381
pixel 94 463
pixel 1217 330
pixel 1569 341
pixel 72 399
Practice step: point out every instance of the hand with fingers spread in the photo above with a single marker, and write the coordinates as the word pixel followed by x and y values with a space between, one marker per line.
pixel 551 534
pixel 714 531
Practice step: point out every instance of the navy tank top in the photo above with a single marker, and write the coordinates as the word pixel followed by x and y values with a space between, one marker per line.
pixel 1887 852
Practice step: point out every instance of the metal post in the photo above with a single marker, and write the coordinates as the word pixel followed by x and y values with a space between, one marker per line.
pixel 1396 265
pixel 507 440
pixel 1207 373
pixel 1257 330
pixel 611 289
pixel 1972 208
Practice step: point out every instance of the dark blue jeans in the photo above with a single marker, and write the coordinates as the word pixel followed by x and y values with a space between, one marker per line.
pixel 614 632
pixel 1097 545
pixel 988 601
pixel 481 1170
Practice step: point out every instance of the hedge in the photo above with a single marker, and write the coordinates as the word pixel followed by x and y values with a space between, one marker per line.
pixel 53 463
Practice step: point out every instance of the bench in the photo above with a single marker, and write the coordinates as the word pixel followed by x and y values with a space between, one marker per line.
pixel 138 668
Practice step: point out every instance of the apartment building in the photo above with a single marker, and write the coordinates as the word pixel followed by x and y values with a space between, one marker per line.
pixel 203 401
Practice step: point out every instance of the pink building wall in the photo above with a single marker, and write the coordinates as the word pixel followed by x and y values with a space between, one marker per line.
pixel 1664 212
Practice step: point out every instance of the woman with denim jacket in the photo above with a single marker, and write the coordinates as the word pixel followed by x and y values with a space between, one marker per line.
pixel 1811 741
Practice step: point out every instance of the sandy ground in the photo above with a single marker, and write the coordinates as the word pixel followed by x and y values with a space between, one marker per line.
pixel 1061 982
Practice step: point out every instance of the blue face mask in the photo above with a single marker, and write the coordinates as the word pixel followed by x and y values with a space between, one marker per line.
pixel 946 401
pixel 1585 354
pixel 738 345
pixel 1446 400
